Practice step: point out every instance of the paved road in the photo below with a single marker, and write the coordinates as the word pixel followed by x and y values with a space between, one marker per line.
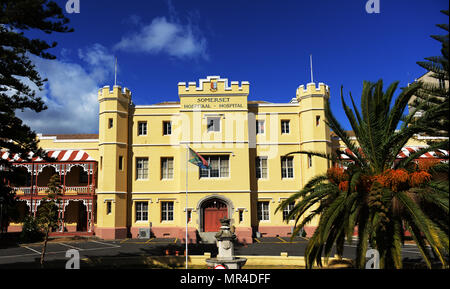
pixel 23 256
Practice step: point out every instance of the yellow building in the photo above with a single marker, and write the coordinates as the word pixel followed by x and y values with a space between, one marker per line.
pixel 134 178
pixel 141 155
pixel 143 159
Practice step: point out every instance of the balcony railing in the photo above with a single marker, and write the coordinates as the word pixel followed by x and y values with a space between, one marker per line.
pixel 23 190
pixel 69 190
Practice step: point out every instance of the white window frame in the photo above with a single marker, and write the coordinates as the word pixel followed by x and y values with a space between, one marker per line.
pixel 166 170
pixel 287 210
pixel 142 128
pixel 263 212
pixel 285 126
pixel 285 167
pixel 221 174
pixel 167 130
pixel 259 161
pixel 140 212
pixel 140 175
pixel 165 212
pixel 258 131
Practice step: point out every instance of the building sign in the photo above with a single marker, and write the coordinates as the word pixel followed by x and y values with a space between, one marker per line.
pixel 213 103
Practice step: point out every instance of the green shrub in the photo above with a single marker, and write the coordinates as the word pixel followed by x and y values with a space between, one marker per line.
pixel 30 230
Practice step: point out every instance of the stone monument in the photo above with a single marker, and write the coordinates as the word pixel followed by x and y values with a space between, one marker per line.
pixel 225 243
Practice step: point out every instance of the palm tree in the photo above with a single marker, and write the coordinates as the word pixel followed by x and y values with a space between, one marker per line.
pixel 376 193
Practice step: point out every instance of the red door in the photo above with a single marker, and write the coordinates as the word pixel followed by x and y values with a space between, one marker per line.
pixel 212 213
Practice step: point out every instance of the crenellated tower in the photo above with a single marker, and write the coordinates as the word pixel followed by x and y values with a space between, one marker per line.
pixel 314 132
pixel 112 193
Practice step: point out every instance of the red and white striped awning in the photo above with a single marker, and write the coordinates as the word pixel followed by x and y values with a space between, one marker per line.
pixel 59 155
pixel 407 151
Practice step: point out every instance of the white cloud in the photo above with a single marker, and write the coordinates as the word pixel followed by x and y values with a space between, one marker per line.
pixel 99 60
pixel 163 36
pixel 71 92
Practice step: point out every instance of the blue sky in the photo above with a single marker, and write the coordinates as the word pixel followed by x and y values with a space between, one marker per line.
pixel 159 43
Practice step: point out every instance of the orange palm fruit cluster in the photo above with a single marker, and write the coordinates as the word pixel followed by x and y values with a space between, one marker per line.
pixel 337 175
pixel 400 179
pixel 426 164
pixel 419 177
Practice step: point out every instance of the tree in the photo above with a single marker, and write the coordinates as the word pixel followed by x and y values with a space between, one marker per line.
pixel 47 215
pixel 17 73
pixel 435 94
pixel 377 194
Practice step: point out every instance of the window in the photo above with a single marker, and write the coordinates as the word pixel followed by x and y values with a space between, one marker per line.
pixel 141 168
pixel 241 216
pixel 142 128
pixel 213 124
pixel 166 168
pixel 110 123
pixel 167 211
pixel 101 162
pixel 263 211
pixel 189 215
pixel 287 169
pixel 141 211
pixel 309 161
pixel 218 167
pixel 317 120
pixel 260 126
pixel 285 126
pixel 167 128
pixel 108 207
pixel 261 167
pixel 120 163
pixel 287 210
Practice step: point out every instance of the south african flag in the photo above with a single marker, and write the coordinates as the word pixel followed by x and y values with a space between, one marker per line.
pixel 197 159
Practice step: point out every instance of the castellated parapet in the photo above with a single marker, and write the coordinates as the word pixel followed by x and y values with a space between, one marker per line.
pixel 213 85
pixel 312 90
pixel 117 93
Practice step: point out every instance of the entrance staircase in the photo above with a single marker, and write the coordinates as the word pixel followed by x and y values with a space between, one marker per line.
pixel 207 237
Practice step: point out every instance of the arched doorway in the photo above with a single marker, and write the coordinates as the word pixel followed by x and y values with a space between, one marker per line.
pixel 75 216
pixel 213 210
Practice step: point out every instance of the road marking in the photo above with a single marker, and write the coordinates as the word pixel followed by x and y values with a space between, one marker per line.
pixel 70 246
pixel 114 246
pixel 279 238
pixel 149 240
pixel 256 239
pixel 31 249
pixel 123 241
pixel 16 256
pixel 48 253
pixel 176 239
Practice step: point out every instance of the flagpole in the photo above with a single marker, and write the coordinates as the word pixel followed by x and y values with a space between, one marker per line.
pixel 187 168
